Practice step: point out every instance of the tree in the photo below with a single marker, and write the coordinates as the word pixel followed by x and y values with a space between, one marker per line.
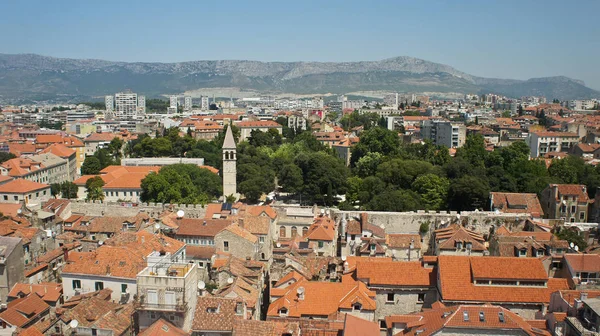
pixel 5 156
pixel 395 200
pixel 68 190
pixel 91 166
pixel 181 183
pixel 93 188
pixel 367 165
pixel 572 237
pixel 433 191
pixel 506 114
pixel 468 193
pixel 380 140
pixel 55 189
pixel 520 109
pixel 114 148
pixel 319 170
pixel 290 178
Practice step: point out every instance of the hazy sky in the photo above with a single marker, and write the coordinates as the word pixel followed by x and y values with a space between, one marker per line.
pixel 506 39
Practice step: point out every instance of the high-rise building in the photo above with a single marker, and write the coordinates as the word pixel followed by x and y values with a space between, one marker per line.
pixel 142 104
pixel 173 102
pixel 126 105
pixel 109 102
pixel 446 133
pixel 187 103
pixel 204 105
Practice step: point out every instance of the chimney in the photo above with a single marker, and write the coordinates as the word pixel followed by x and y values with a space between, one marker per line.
pixel 65 253
pixel 584 296
pixel 363 219
pixel 108 269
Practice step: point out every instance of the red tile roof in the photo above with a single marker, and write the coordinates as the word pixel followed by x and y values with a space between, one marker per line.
pixel 323 298
pixel 517 203
pixel 200 227
pixel 456 280
pixel 583 262
pixel 21 186
pixel 22 311
pixel 162 328
pixel 394 273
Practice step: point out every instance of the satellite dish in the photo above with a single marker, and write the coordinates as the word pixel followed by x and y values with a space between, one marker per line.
pixel 157 226
pixel 73 324
pixel 457 216
pixel 343 258
pixel 100 242
pixel 19 211
pixel 572 245
pixel 300 290
pixel 230 280
pixel 180 214
pixel 576 248
pixel 278 244
pixel 201 284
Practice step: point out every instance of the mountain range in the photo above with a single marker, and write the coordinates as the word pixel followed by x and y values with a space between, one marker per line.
pixel 30 77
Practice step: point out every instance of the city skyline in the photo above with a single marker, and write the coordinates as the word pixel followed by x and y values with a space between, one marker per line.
pixel 495 39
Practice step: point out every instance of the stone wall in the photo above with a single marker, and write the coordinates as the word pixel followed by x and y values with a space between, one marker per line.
pixel 410 222
pixel 126 209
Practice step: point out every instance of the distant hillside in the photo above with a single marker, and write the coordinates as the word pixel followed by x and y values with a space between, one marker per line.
pixel 35 77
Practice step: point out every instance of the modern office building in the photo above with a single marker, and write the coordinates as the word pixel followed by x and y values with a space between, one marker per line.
pixel 187 103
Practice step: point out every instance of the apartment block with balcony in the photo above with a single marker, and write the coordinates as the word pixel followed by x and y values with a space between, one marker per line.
pixel 541 143
pixel 446 133
pixel 569 202
pixel 167 290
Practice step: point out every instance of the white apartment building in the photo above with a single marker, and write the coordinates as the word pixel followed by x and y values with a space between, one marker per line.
pixel 579 105
pixel 173 102
pixel 204 105
pixel 187 103
pixel 126 105
pixel 353 104
pixel 446 133
pixel 109 102
pixel 142 104
pixel 297 122
pixel 541 143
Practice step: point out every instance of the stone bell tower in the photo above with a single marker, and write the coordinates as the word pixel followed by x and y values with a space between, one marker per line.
pixel 229 164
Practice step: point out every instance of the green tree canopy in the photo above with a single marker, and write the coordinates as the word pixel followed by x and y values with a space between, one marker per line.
pixel 181 183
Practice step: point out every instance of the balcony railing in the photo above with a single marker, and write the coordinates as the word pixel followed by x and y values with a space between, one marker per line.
pixel 182 307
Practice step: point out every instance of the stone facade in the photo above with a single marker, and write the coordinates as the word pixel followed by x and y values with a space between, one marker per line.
pixel 238 246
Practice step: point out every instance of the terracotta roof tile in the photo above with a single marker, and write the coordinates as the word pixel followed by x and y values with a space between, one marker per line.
pixel 21 186
pixel 200 227
pixel 456 279
pixel 394 273
pixel 517 203
pixel 241 232
pixel 162 328
pixel 214 314
pixel 47 291
pixel 583 262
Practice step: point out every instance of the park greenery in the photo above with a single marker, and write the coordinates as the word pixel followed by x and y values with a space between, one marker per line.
pixel 384 173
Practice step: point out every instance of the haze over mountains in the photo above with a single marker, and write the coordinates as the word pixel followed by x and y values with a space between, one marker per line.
pixel 34 77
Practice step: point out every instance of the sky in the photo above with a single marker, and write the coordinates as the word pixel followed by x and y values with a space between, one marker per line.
pixel 517 39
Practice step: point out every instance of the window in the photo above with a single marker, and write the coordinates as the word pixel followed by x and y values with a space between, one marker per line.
pixel 152 296
pixel 522 253
pixel 44 192
pixel 304 230
pixel 352 237
pixel 57 329
pixel 261 239
pixel 469 246
pixel 226 246
pixel 16 198
pixel 382 324
pixel 357 306
pixel 573 209
pixel 201 264
pixel 563 208
pixel 421 297
pixel 390 297
pixel 37 194
pixel 282 231
pixel 152 316
pixel 283 312
pixel 5 198
pixel 582 215
pixel 294 231
pixel 372 247
pixel 540 253
pixel 459 245
pixel 76 284
pixel 239 309
pixel 99 285
pixel 123 288
pixel 572 219
pixel 321 244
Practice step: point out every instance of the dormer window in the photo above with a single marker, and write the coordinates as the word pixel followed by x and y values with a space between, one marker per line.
pixel 469 246
pixel 372 247
pixel 523 252
pixel 283 312
pixel 459 245
pixel 540 253
pixel 357 306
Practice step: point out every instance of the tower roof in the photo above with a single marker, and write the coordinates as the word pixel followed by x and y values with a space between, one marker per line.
pixel 229 142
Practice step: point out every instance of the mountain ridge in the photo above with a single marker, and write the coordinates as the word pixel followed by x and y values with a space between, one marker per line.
pixel 32 76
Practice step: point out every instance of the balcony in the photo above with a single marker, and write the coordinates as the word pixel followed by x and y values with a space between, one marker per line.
pixel 182 307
